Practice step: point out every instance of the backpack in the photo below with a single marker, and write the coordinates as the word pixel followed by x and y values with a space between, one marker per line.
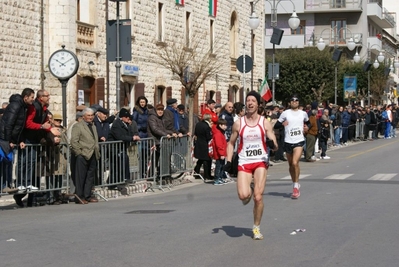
pixel 210 148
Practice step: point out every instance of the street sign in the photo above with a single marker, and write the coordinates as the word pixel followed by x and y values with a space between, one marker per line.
pixel 248 64
pixel 270 71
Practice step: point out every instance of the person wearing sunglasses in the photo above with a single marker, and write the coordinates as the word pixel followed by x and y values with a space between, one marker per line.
pixel 293 121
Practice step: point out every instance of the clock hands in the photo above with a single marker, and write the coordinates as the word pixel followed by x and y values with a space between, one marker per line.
pixel 62 64
pixel 67 61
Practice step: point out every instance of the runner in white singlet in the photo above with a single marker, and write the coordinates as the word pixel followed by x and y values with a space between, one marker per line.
pixel 293 120
pixel 252 130
pixel 250 150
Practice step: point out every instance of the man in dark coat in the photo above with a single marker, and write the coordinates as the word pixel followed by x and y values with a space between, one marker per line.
pixel 12 124
pixel 37 126
pixel 157 130
pixel 171 117
pixel 101 123
pixel 227 114
pixel 203 133
pixel 122 130
pixel 183 119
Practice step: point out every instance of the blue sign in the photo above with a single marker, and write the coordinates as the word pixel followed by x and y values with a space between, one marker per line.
pixel 130 70
pixel 350 87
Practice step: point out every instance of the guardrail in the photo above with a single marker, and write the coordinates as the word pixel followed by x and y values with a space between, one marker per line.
pixel 48 169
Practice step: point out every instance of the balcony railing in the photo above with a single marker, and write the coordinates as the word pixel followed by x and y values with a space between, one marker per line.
pixel 333 5
pixel 85 35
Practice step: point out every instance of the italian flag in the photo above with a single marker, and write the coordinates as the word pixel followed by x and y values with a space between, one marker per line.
pixel 213 6
pixel 180 2
pixel 265 92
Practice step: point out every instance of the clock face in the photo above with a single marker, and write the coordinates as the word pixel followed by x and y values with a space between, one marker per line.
pixel 63 64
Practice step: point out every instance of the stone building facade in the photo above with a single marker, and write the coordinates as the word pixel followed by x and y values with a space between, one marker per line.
pixel 32 30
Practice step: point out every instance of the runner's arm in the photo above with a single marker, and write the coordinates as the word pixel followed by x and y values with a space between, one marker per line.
pixel 232 141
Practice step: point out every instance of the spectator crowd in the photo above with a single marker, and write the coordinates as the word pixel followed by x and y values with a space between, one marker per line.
pixel 30 128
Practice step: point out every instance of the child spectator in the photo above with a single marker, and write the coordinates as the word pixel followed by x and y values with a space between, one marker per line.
pixel 220 152
pixel 324 136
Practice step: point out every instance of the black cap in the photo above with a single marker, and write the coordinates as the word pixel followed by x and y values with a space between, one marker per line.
pixel 254 94
pixel 103 110
pixel 171 101
pixel 124 113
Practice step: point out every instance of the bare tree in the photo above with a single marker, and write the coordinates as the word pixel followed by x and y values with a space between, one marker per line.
pixel 193 64
pixel 318 93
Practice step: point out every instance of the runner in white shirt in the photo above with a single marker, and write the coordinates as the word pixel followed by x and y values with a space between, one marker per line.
pixel 252 130
pixel 293 120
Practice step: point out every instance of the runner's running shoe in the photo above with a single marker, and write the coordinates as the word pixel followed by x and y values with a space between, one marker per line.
pixel 295 193
pixel 257 234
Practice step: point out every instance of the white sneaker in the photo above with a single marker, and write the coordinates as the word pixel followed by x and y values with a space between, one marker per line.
pixel 325 157
pixel 32 188
pixel 21 188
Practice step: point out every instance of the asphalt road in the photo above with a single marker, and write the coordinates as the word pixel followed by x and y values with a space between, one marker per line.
pixel 348 206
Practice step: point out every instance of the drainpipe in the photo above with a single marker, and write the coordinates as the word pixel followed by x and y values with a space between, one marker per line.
pixel 107 65
pixel 42 76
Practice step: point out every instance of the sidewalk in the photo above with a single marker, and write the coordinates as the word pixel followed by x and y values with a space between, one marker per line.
pixel 133 190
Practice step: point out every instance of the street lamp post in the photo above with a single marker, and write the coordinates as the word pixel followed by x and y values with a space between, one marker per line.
pixel 254 20
pixel 376 64
pixel 321 45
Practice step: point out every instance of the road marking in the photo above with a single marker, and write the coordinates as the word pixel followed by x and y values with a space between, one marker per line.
pixel 339 176
pixel 382 177
pixel 301 176
pixel 367 151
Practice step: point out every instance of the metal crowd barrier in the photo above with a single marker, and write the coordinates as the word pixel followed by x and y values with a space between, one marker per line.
pixel 174 158
pixel 44 169
pixel 38 169
pixel 122 163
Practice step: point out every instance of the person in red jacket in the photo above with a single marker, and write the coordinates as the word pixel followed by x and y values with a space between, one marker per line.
pixel 219 150
pixel 210 109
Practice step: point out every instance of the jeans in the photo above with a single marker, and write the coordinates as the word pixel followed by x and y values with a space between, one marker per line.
pixel 6 173
pixel 387 129
pixel 337 135
pixel 344 134
pixel 323 144
pixel 27 159
pixel 219 173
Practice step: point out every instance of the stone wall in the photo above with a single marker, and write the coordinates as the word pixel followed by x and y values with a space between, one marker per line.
pixel 20 49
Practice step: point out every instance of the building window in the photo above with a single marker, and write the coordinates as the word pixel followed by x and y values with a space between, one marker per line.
pixel 337 3
pixel 160 22
pixel 301 28
pixel 159 94
pixel 83 8
pixel 88 90
pixel 338 30
pixel 188 28
pixel 211 35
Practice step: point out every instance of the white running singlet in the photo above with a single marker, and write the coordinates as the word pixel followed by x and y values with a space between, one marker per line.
pixel 294 129
pixel 252 147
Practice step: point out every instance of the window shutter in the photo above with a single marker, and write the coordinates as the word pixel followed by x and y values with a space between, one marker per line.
pixel 139 90
pixel 183 96
pixel 168 92
pixel 100 90
pixel 218 97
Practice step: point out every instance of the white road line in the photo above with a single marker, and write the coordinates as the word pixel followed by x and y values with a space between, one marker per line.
pixel 301 176
pixel 382 177
pixel 339 176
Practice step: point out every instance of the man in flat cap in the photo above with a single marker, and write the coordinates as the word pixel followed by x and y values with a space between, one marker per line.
pixel 171 117
pixel 183 119
pixel 101 123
